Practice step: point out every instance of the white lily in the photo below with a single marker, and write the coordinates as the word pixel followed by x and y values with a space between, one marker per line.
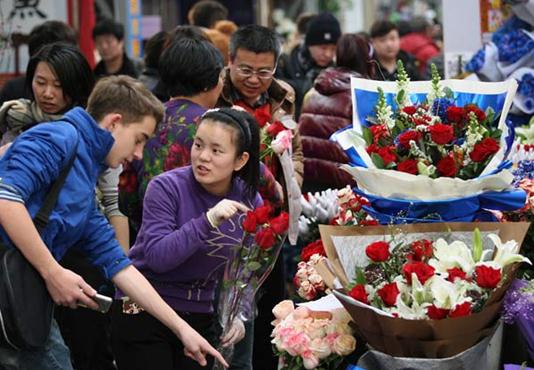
pixel 447 256
pixel 507 253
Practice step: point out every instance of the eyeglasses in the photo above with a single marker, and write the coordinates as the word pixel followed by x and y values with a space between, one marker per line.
pixel 263 74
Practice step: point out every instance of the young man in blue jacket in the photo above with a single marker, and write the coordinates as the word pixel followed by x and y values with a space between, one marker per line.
pixel 121 115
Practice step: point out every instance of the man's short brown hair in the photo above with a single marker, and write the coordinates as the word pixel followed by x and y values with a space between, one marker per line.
pixel 124 95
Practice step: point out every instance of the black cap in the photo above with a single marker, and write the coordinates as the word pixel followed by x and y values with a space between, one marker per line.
pixel 323 29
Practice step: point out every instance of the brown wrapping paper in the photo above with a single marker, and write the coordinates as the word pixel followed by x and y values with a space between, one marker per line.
pixel 422 338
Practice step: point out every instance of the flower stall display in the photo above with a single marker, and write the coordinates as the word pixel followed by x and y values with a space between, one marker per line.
pixel 419 150
pixel 519 309
pixel 308 282
pixel 308 339
pixel 250 265
pixel 424 292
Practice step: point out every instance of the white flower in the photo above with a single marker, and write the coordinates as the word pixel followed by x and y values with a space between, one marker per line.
pixel 448 256
pixel 507 253
pixel 446 294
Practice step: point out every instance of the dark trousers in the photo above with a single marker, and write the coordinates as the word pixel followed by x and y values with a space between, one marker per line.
pixel 87 333
pixel 141 342
pixel 272 292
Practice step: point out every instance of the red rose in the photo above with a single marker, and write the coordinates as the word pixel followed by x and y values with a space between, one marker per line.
pixel 481 116
pixel 441 134
pixel 421 249
pixel 387 154
pixel 280 223
pixel 263 115
pixel 389 293
pixel 487 277
pixel 274 128
pixel 455 114
pixel 410 109
pixel 435 313
pixel 484 149
pixel 460 310
pixel 311 249
pixel 262 213
pixel 373 148
pixel 447 167
pixel 377 251
pixel 408 166
pixel 359 293
pixel 456 273
pixel 407 136
pixel 265 238
pixel 420 269
pixel 249 224
pixel 379 131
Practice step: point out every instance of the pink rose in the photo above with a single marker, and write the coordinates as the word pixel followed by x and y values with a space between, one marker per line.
pixel 297 344
pixel 307 290
pixel 320 348
pixel 309 360
pixel 301 313
pixel 283 309
pixel 282 142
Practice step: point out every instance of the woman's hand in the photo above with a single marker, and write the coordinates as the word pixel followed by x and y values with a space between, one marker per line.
pixel 235 334
pixel 224 210
pixel 196 347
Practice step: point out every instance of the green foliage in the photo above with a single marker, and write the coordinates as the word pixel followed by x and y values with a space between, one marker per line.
pixel 378 161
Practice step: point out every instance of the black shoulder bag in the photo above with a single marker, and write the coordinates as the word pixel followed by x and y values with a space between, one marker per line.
pixel 26 308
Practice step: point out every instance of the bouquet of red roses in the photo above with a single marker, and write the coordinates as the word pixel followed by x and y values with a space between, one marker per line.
pixel 252 262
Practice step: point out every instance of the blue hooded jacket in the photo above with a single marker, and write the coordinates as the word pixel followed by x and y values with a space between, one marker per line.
pixel 33 163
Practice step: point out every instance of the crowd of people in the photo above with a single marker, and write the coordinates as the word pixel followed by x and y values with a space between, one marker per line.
pixel 167 152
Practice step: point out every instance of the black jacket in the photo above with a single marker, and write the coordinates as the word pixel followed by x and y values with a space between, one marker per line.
pixel 409 65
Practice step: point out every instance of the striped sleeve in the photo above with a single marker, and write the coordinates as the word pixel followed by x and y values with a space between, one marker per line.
pixel 9 193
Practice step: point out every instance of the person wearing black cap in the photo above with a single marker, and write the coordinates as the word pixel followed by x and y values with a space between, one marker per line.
pixel 303 64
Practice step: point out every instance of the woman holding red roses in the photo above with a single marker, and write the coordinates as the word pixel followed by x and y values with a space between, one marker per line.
pixel 192 218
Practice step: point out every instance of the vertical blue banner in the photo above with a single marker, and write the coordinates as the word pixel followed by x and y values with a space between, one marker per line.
pixel 134 39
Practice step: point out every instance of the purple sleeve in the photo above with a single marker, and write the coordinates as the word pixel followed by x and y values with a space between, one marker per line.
pixel 167 244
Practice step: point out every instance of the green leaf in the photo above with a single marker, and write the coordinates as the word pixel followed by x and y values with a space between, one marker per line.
pixel 367 136
pixel 360 276
pixel 378 161
pixel 477 245
pixel 400 96
pixel 253 266
pixel 448 92
pixel 490 115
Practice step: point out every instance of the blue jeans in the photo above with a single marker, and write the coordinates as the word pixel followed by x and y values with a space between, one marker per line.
pixel 53 356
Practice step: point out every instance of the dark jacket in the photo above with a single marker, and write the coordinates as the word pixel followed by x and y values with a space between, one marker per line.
pixel 14 89
pixel 299 70
pixel 130 67
pixel 410 66
pixel 326 109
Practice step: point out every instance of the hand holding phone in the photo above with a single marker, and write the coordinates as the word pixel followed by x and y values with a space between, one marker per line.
pixel 104 303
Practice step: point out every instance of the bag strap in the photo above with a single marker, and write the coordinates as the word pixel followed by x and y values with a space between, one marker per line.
pixel 41 219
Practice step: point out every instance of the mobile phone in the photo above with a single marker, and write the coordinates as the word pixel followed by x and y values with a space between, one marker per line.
pixel 104 303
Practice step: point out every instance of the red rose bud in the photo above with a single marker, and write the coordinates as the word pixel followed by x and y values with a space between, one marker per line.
pixel 456 273
pixel 311 249
pixel 435 313
pixel 262 214
pixel 249 224
pixel 373 148
pixel 410 109
pixel 388 155
pixel 420 269
pixel 359 293
pixel 441 134
pixel 275 128
pixel 484 149
pixel 481 115
pixel 455 114
pixel 388 293
pixel 377 251
pixel 407 136
pixel 280 224
pixel 421 249
pixel 447 167
pixel 408 166
pixel 265 238
pixel 263 115
pixel 487 277
pixel 378 131
pixel 460 310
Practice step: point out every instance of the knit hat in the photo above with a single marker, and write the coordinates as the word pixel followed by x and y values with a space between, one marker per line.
pixel 323 29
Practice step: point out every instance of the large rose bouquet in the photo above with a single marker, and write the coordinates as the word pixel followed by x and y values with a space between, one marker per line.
pixel 305 339
pixel 252 262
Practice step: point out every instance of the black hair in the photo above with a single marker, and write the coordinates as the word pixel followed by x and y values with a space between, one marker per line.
pixel 190 66
pixel 248 140
pixel 71 68
pixel 206 13
pixel 352 52
pixel 49 32
pixel 192 32
pixel 419 24
pixel 109 27
pixel 382 28
pixel 154 47
pixel 257 39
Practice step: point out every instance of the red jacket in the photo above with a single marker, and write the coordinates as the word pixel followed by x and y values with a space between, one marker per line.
pixel 421 47
pixel 327 108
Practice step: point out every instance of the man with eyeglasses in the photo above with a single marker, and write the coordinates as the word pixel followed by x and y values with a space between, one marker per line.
pixel 249 83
